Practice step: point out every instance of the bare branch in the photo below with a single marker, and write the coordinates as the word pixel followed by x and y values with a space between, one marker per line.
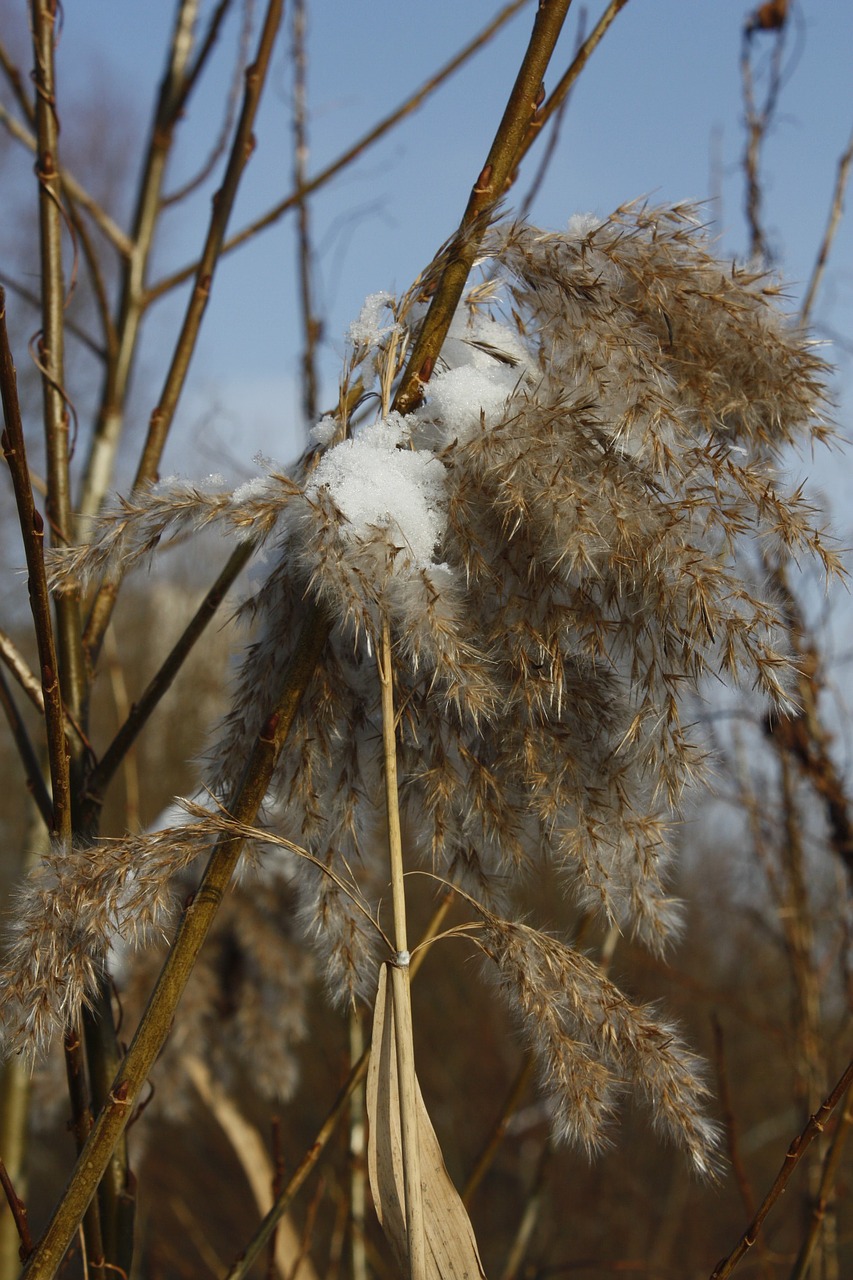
pixel 794 1154
pixel 163 415
pixel 352 153
pixel 32 533
pixel 836 211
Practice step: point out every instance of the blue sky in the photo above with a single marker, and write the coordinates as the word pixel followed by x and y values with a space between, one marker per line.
pixel 657 112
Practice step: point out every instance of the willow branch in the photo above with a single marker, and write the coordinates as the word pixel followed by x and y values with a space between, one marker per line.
pixel 829 1173
pixel 16 82
pixel 18 1209
pixel 223 202
pixel 32 534
pixel 559 96
pixel 493 1142
pixel 794 1154
pixel 367 140
pixel 495 177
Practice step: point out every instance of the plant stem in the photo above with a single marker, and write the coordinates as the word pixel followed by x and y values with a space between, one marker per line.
pixel 557 98
pixel 401 990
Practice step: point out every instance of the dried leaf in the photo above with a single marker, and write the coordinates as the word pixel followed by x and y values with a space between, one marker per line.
pixel 451 1248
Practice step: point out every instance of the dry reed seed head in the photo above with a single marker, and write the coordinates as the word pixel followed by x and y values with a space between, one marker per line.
pixel 593 1045
pixel 73 910
pixel 554 536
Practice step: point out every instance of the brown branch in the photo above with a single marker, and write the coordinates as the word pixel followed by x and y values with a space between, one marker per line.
pixel 81 1125
pixel 828 1175
pixel 758 121
pixel 730 1130
pixel 110 418
pixel 19 1211
pixel 495 177
pixel 16 82
pixel 27 752
pixel 312 327
pixel 836 211
pixel 32 534
pixel 803 734
pixel 555 101
pixel 160 683
pixel 223 202
pixel 367 140
pixel 221 142
pixel 794 1154
pixel 493 1142
pixel 21 291
pixel 71 672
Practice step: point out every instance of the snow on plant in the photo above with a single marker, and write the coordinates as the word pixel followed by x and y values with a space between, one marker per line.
pixel 557 537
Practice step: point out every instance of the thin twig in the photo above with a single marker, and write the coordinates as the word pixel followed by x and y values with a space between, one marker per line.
pixel 828 1175
pixel 794 1154
pixel 32 533
pixel 233 97
pixel 71 672
pixel 836 211
pixel 73 187
pixel 730 1128
pixel 163 415
pixel 367 140
pixel 161 682
pixel 758 121
pixel 549 151
pixel 493 1142
pixel 554 102
pixel 530 1216
pixel 16 82
pixel 27 752
pixel 312 327
pixel 110 418
pixel 19 1211
pixel 71 327
pixel 81 1126
pixel 492 183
